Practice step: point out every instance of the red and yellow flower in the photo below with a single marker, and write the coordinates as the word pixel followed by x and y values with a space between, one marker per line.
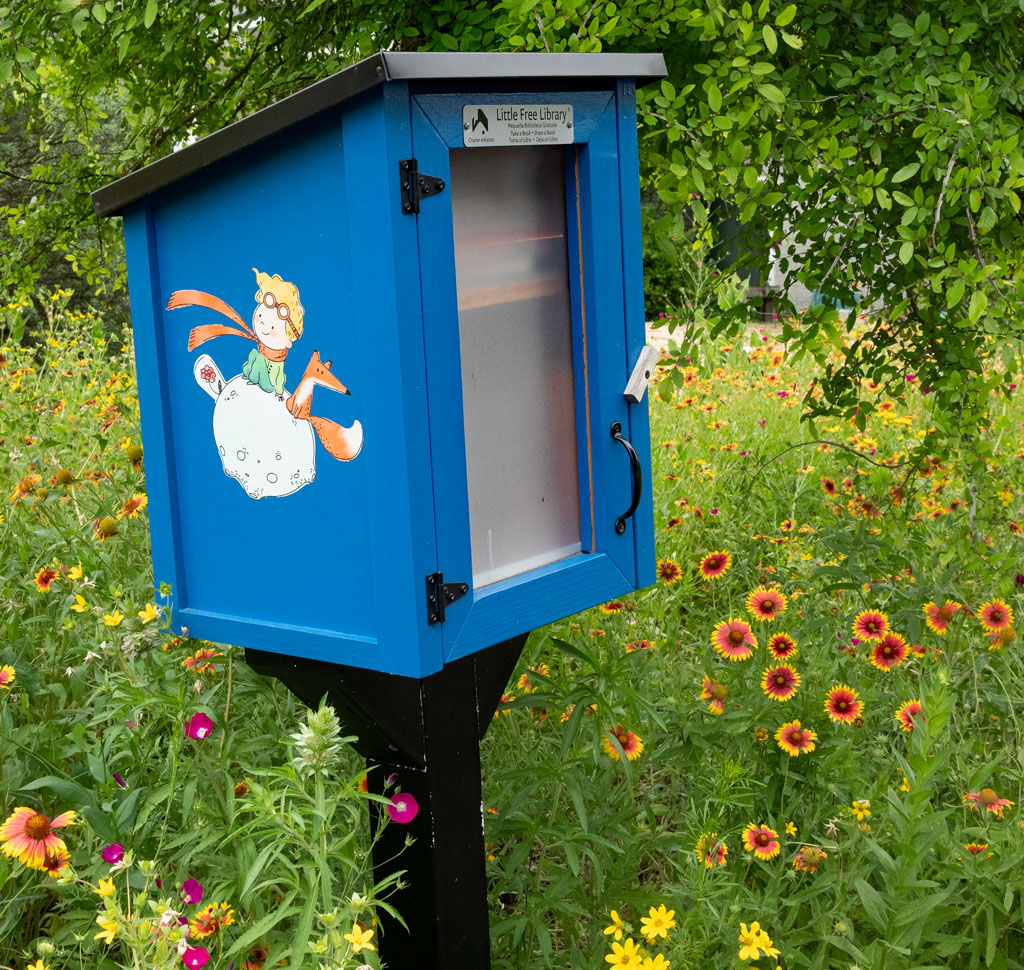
pixel 132 506
pixel 906 714
pixel 888 652
pixel 761 840
pixel 7 676
pixel 781 682
pixel 809 858
pixel 988 800
pixel 668 571
pixel 711 850
pixel 632 746
pixel 715 693
pixel 765 603
pixel 795 739
pixel 734 640
pixel 715 565
pixel 210 919
pixel 28 836
pixel 938 618
pixel 44 578
pixel 871 625
pixel 782 646
pixel 842 704
pixel 995 615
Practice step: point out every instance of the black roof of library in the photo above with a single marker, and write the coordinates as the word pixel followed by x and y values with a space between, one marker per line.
pixel 353 80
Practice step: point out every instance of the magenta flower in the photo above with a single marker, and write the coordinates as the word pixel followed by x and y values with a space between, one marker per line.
pixel 191 892
pixel 120 780
pixel 199 727
pixel 113 854
pixel 195 957
pixel 403 808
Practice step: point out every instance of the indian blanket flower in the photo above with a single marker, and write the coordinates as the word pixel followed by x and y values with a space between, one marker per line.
pixel 131 507
pixel 765 603
pixel 809 858
pixel 610 609
pixel 113 853
pixel 711 850
pixel 210 919
pixel 27 836
pixel 761 840
pixel 715 565
pixel 906 713
pixel 26 485
pixel 402 808
pixel 976 848
pixel 715 693
pixel 632 746
pixel 938 618
pixel 988 800
pixel 199 726
pixel 733 640
pixel 668 571
pixel 625 955
pixel 889 651
pixel 995 615
pixel 55 862
pixel 782 646
pixel 780 683
pixel 1002 638
pixel 104 528
pixel 871 625
pixel 616 927
pixel 795 739
pixel 44 578
pixel 842 704
pixel 7 676
pixel 658 923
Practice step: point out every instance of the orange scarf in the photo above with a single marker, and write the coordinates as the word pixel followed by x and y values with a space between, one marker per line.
pixel 199 335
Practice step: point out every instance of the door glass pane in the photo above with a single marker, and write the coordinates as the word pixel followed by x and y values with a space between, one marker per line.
pixel 515 335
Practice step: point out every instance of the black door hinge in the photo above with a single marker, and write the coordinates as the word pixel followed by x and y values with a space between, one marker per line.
pixel 441 595
pixel 416 186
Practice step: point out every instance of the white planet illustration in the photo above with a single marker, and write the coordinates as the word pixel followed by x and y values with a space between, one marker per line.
pixel 261 445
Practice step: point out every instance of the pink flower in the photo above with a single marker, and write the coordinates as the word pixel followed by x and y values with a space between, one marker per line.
pixel 199 727
pixel 195 957
pixel 113 854
pixel 208 374
pixel 191 892
pixel 403 808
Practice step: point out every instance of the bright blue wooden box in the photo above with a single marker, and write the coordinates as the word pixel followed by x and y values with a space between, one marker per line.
pixel 310 190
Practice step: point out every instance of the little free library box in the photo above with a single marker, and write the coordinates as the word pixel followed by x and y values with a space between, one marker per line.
pixel 383 330
pixel 391 359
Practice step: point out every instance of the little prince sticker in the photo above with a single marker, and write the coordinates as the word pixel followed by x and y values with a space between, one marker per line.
pixel 265 436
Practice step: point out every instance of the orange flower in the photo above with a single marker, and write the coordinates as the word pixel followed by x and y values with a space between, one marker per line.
pixel 938 618
pixel 632 746
pixel 715 692
pixel 44 578
pixel 765 603
pixel 132 506
pixel 995 616
pixel 795 739
pixel 28 836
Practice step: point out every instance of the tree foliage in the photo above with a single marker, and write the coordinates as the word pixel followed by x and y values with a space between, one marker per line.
pixel 883 140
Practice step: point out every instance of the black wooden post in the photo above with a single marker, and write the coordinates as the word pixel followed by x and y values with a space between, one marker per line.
pixel 425 731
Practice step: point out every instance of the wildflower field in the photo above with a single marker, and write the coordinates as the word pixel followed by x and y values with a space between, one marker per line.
pixel 800 749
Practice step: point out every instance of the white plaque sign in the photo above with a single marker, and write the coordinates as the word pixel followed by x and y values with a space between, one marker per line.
pixel 516 124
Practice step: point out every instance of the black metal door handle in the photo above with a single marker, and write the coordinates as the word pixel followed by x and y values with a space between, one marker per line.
pixel 637 474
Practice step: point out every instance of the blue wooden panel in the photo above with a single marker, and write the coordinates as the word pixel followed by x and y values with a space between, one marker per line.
pixel 319 568
pixel 541 596
pixel 147 326
pixel 635 318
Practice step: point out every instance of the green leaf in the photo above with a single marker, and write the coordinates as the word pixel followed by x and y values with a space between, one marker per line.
pixel 786 17
pixel 906 172
pixel 99 12
pixel 874 905
pixel 772 93
pixel 714 97
pixel 122 46
pixel 955 293
pixel 64 788
pixel 977 306
pixel 906 252
pixel 152 10
pixel 770 40
pixel 793 40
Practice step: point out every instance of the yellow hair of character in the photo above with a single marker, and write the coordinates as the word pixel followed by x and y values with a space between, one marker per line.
pixel 284 292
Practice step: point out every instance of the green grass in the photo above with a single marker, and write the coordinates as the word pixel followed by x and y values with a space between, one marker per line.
pixel 572 832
